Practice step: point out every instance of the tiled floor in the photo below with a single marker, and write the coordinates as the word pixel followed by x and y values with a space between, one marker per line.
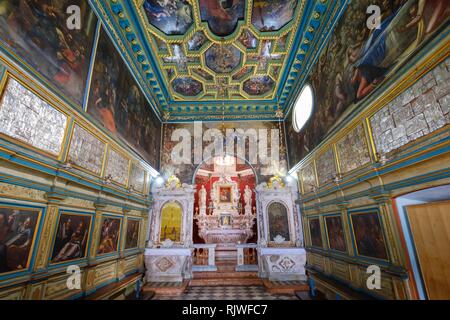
pixel 227 293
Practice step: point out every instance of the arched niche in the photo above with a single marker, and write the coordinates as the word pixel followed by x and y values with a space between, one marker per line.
pixel 171 222
pixel 278 218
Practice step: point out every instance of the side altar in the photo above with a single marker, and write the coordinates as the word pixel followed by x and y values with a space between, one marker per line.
pixel 168 256
pixel 281 254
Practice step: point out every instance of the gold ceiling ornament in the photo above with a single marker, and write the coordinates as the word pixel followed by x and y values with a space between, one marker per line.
pixel 280 115
pixel 166 115
pixel 173 181
pixel 277 180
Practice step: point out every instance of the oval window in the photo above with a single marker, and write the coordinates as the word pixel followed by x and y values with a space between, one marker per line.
pixel 303 108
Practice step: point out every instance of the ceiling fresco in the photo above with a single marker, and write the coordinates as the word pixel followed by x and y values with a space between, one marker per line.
pixel 204 59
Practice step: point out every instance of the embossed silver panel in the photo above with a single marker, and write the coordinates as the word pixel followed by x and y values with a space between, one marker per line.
pixel 26 117
pixel 352 150
pixel 117 167
pixel 86 150
pixel 309 178
pixel 421 109
pixel 326 167
pixel 137 178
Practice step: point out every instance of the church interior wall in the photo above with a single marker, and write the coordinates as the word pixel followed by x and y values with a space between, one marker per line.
pixel 394 144
pixel 65 167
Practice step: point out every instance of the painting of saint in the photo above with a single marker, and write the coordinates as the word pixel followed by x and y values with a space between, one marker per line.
pixel 225 194
pixel 132 235
pixel 272 15
pixel 259 85
pixel 173 17
pixel 316 234
pixel 222 15
pixel 335 233
pixel 368 234
pixel 115 100
pixel 38 32
pixel 17 231
pixel 357 60
pixel 278 221
pixel 171 215
pixel 197 41
pixel 187 86
pixel 222 58
pixel 72 236
pixel 109 235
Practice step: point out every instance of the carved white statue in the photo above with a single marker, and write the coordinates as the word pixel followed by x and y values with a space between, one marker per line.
pixel 202 196
pixel 248 195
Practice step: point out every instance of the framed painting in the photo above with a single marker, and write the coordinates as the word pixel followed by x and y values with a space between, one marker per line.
pixel 315 232
pixel 72 237
pixel 18 229
pixel 39 34
pixel 171 217
pixel 225 194
pixel 278 222
pixel 132 234
pixel 368 234
pixel 335 233
pixel 109 235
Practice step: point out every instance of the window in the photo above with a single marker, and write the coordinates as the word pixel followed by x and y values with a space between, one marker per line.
pixel 303 108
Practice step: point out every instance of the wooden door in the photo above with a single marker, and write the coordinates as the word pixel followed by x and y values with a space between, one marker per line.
pixel 430 227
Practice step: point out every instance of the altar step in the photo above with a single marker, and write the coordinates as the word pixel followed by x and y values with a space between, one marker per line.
pixel 285 287
pixel 224 277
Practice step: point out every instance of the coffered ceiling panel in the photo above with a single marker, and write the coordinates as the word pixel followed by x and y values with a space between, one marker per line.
pixel 214 59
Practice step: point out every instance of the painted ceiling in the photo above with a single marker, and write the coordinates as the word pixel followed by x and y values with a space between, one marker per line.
pixel 219 59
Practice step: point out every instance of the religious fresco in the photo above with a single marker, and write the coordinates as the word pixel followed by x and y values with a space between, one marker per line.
pixel 357 60
pixel 17 232
pixel 315 232
pixel 171 215
pixel 109 235
pixel 368 234
pixel 173 17
pixel 202 73
pixel 248 40
pixel 26 117
pixel 187 86
pixel 242 73
pixel 335 232
pixel 132 234
pixel 222 58
pixel 185 171
pixel 272 15
pixel 197 41
pixel 116 101
pixel 278 221
pixel 72 236
pixel 257 86
pixel 222 16
pixel 38 33
pixel 86 151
